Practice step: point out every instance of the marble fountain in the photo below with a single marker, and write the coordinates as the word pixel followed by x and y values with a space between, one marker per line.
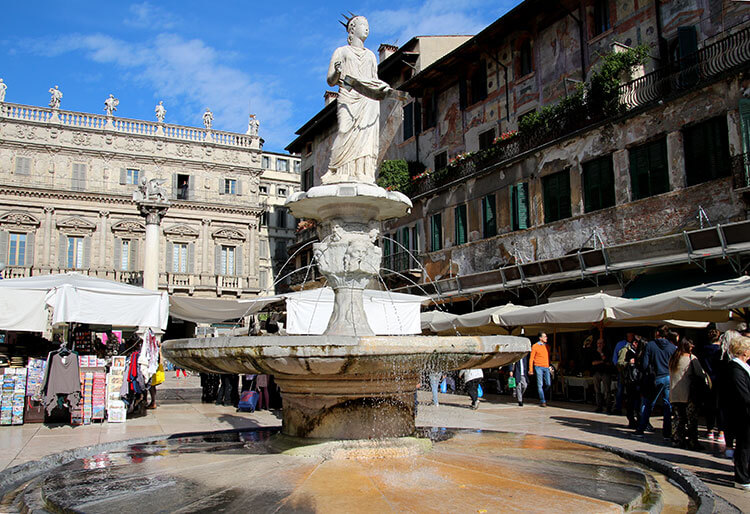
pixel 348 440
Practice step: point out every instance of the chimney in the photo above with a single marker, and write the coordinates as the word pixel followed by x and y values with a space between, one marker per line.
pixel 330 96
pixel 385 51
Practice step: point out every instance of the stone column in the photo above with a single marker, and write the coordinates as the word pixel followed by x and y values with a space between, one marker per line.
pixel 205 251
pixel 153 212
pixel 103 215
pixel 252 243
pixel 676 161
pixel 46 246
pixel 621 168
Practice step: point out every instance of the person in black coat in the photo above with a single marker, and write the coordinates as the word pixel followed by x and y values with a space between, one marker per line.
pixel 518 371
pixel 738 396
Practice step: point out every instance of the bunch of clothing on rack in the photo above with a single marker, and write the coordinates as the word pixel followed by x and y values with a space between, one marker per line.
pixel 61 387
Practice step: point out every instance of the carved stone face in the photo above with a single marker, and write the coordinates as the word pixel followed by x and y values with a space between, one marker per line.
pixel 360 28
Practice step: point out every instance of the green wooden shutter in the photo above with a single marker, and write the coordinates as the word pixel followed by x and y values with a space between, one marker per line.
pixel 191 258
pixel 191 188
pixel 169 255
pixel 238 260
pixel 638 173
pixel 460 224
pixel 123 176
pixel 436 236
pixel 408 121
pixel 217 261
pixel 133 263
pixel 86 252
pixel 658 167
pixel 62 251
pixel 417 118
pixel 489 221
pixel 175 187
pixel 221 186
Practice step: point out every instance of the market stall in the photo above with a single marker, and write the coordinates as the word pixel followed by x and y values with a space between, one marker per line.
pixel 84 319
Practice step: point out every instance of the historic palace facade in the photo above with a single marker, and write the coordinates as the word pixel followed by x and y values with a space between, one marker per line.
pixel 66 201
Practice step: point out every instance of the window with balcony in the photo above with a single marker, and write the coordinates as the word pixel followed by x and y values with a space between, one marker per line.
pixel 460 228
pixel 436 232
pixel 76 252
pixel 282 164
pixel 519 206
pixel 598 184
pixel 266 162
pixel 601 17
pixel 16 250
pixel 649 172
pixel 230 186
pixel 706 151
pixel 78 182
pixel 182 186
pixel 227 260
pixel 126 254
pixel 556 191
pixel 486 139
pixel 23 165
pixel 489 216
pixel 180 258
pixel 441 161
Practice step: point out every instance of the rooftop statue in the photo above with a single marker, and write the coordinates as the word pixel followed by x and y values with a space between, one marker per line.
pixel 160 111
pixel 57 95
pixel 110 105
pixel 3 89
pixel 252 125
pixel 354 69
pixel 208 118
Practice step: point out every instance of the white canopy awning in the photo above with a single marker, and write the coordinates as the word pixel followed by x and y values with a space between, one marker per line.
pixel 74 297
pixel 214 310
pixel 479 322
pixel 705 302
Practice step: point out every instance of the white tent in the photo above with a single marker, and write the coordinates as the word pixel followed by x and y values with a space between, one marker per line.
pixel 73 297
pixel 308 312
pixel 472 323
pixel 214 310
pixel 705 302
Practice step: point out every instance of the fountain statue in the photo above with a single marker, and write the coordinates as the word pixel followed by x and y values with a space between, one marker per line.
pixel 348 383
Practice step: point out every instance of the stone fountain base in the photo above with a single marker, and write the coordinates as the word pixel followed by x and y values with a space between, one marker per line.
pixel 345 387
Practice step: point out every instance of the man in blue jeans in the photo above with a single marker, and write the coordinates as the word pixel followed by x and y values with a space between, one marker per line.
pixel 655 367
pixel 539 366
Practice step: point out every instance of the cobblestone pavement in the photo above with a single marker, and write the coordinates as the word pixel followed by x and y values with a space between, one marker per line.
pixel 180 410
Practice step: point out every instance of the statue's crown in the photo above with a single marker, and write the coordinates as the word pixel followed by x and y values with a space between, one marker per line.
pixel 347 20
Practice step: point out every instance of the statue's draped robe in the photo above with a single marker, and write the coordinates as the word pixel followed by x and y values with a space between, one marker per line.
pixel 355 149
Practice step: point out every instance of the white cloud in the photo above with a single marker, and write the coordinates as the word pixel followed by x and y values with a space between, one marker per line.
pixel 148 16
pixel 438 17
pixel 190 76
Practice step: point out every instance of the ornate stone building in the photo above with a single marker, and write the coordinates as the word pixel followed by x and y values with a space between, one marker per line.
pixel 66 187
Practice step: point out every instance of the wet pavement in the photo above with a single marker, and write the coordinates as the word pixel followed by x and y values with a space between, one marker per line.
pixel 180 411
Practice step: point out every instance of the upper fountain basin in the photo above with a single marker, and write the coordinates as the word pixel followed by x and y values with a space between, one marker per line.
pixel 342 200
pixel 343 355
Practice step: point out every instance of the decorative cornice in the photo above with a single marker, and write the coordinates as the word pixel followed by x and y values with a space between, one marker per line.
pixel 76 223
pixel 124 200
pixel 19 218
pixel 181 231
pixel 129 226
pixel 228 234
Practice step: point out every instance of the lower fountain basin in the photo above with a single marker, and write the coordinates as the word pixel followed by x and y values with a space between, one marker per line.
pixel 345 387
pixel 458 471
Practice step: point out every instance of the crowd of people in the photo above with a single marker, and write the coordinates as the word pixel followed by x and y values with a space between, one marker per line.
pixel 666 372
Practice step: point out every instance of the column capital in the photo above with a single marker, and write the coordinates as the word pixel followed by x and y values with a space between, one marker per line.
pixel 49 210
pixel 153 211
pixel 104 214
pixel 206 221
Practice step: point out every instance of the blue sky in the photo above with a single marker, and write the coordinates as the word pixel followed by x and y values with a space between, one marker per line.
pixel 235 57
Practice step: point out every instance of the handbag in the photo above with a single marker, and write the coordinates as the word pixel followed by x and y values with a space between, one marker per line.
pixel 159 376
pixel 700 384
pixel 511 382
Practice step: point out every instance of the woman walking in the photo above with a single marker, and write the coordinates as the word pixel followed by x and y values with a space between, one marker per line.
pixel 711 360
pixel 738 396
pixel 686 379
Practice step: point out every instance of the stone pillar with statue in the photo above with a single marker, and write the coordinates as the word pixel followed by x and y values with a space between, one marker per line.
pixel 152 202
